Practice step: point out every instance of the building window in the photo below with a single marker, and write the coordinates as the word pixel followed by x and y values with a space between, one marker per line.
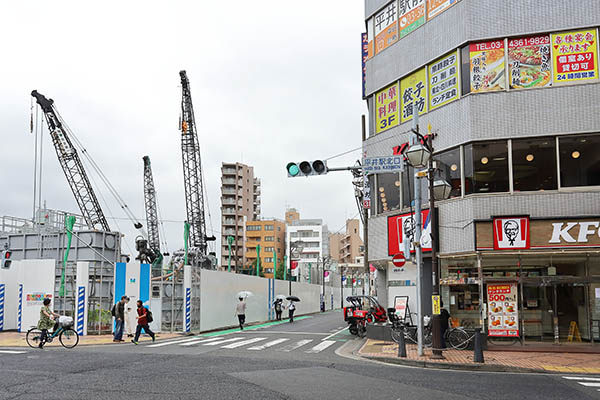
pixel 388 192
pixel 534 164
pixel 269 238
pixel 294 234
pixel 450 169
pixel 278 239
pixel 486 167
pixel 579 161
pixel 268 259
pixel 268 227
pixel 408 187
pixel 253 228
pixel 278 229
pixel 465 70
pixel 269 249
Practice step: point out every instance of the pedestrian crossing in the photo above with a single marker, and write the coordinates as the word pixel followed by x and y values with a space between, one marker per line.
pixel 587 381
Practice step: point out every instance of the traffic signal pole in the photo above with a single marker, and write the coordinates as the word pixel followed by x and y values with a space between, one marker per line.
pixel 365 211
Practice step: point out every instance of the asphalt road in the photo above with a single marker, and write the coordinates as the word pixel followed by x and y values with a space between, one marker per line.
pixel 309 359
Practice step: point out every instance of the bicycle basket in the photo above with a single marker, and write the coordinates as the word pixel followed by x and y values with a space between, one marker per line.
pixel 65 321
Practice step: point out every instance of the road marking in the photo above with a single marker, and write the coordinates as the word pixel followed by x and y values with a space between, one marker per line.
pixel 296 345
pixel 335 333
pixel 581 378
pixel 200 341
pixel 222 341
pixel 287 333
pixel 242 343
pixel 269 344
pixel 321 346
pixel 172 342
pixel 12 352
pixel 590 384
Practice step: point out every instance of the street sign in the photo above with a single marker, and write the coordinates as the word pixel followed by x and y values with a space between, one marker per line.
pixel 435 304
pixel 398 260
pixel 375 165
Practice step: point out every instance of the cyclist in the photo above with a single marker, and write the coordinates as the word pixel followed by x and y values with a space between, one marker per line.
pixel 46 321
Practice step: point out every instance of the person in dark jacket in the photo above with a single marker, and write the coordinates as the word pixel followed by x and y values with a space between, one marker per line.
pixel 142 323
pixel 445 324
pixel 119 314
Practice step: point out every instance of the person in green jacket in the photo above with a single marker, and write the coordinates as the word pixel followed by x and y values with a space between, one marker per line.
pixel 46 321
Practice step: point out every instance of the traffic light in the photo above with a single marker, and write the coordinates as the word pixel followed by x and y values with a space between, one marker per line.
pixel 6 261
pixel 306 168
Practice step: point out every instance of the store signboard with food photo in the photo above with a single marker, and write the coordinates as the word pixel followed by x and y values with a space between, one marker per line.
pixel 411 15
pixel 503 315
pixel 575 56
pixel 487 66
pixel 529 62
pixel 443 80
pixel 386 108
pixel 414 94
pixel 386 27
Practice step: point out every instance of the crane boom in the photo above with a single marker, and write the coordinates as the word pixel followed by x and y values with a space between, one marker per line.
pixel 151 210
pixel 72 167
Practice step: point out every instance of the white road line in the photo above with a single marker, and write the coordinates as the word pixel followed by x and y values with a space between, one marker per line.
pixel 296 345
pixel 335 333
pixel 581 378
pixel 269 344
pixel 222 341
pixel 201 341
pixel 262 332
pixel 590 384
pixel 243 343
pixel 12 352
pixel 172 342
pixel 321 346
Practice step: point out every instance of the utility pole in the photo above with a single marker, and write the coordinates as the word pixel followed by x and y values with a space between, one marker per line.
pixel 417 243
pixel 365 210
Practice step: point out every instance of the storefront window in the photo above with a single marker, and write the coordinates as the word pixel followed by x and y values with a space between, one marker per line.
pixel 534 164
pixel 579 162
pixel 408 188
pixel 450 170
pixel 459 286
pixel 486 167
pixel 465 69
pixel 388 192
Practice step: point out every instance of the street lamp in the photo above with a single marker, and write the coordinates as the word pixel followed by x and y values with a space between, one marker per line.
pixel 324 260
pixel 418 155
pixel 295 250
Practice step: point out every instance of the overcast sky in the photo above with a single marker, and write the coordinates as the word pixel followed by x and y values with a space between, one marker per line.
pixel 272 81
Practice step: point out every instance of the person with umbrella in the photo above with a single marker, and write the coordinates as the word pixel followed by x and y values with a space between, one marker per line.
pixel 292 306
pixel 278 307
pixel 240 310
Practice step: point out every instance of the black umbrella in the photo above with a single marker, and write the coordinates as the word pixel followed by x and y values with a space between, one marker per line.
pixel 292 298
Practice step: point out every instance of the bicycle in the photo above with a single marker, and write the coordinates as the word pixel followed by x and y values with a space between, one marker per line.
pixel 67 336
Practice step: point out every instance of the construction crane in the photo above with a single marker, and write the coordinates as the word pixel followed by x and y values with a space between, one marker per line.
pixel 153 253
pixel 72 166
pixel 192 177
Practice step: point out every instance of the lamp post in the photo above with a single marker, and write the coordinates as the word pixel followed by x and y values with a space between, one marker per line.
pixel 297 245
pixel 324 260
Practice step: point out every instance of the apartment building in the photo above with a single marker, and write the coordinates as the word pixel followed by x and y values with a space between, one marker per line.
pixel 308 240
pixel 344 247
pixel 264 239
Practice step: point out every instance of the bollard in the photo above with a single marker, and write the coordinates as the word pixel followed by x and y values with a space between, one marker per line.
pixel 402 344
pixel 477 348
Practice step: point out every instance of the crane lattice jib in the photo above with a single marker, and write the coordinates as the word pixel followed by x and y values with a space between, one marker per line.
pixel 192 170
pixel 72 167
pixel 151 210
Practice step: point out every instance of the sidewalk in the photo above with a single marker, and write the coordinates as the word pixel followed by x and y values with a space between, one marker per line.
pixel 500 361
pixel 16 339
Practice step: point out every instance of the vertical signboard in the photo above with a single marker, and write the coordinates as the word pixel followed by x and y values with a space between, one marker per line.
pixel 365 57
pixel 386 108
pixel 386 27
pixel 503 315
pixel 370 37
pixel 435 7
pixel 511 233
pixel 487 66
pixel 574 56
pixel 443 80
pixel 529 62
pixel 411 15
pixel 414 94
pixel 401 228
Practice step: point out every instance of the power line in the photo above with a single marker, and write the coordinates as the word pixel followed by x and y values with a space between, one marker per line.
pixel 365 146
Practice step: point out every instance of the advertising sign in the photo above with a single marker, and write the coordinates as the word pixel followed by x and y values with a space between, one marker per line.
pixel 487 66
pixel 574 56
pixel 529 62
pixel 402 227
pixel 414 94
pixel 375 165
pixel 401 305
pixel 36 298
pixel 435 7
pixel 412 15
pixel 503 314
pixel 443 80
pixel 366 192
pixel 386 27
pixel 436 308
pixel 294 268
pixel 365 57
pixel 511 233
pixel 386 108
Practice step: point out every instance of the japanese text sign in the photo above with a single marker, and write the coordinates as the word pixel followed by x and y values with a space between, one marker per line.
pixel 374 165
pixel 414 94
pixel 436 7
pixel 503 315
pixel 574 56
pixel 443 80
pixel 411 15
pixel 386 108
pixel 529 62
pixel 365 57
pixel 487 66
pixel 386 27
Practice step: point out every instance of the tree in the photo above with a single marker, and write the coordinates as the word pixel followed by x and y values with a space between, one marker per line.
pixel 280 269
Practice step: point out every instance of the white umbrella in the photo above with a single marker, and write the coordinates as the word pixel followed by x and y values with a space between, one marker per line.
pixel 244 294
pixel 280 296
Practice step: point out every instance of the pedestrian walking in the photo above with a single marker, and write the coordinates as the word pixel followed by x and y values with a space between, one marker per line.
pixel 445 318
pixel 118 311
pixel 278 306
pixel 240 311
pixel 142 323
pixel 47 317
pixel 291 308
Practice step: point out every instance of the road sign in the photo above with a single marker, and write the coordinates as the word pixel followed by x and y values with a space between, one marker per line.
pixel 398 260
pixel 374 165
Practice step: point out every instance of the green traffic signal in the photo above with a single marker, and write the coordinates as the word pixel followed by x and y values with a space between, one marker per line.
pixel 292 169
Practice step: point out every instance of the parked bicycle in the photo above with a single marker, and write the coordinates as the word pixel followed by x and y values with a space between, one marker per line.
pixel 67 336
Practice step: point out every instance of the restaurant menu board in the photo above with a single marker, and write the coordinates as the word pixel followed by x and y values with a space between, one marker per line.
pixel 414 94
pixel 411 15
pixel 386 27
pixel 503 314
pixel 529 62
pixel 443 80
pixel 386 108
pixel 435 7
pixel 487 66
pixel 574 56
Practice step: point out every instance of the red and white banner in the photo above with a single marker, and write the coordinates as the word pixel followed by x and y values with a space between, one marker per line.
pixel 326 274
pixel 294 267
pixel 503 314
pixel 402 227
pixel 511 233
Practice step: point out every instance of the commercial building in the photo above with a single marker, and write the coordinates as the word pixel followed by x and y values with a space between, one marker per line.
pixel 510 90
pixel 345 247
pixel 240 202
pixel 308 240
pixel 265 239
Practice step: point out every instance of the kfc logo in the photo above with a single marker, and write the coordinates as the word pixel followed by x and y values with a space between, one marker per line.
pixel 402 231
pixel 511 233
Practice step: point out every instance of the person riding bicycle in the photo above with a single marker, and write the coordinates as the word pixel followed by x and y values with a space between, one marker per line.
pixel 46 321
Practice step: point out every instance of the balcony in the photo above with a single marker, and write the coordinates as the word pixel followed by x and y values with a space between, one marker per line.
pixel 228 201
pixel 229 232
pixel 228 211
pixel 229 171
pixel 228 181
pixel 227 191
pixel 229 221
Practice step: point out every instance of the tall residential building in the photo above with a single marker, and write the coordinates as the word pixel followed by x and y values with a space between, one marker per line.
pixel 309 241
pixel 345 247
pixel 269 234
pixel 240 202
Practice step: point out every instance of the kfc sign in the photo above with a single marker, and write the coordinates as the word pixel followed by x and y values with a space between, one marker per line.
pixel 511 233
pixel 402 228
pixel 574 232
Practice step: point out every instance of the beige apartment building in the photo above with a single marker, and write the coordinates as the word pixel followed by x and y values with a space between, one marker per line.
pixel 240 203
pixel 345 247
pixel 269 234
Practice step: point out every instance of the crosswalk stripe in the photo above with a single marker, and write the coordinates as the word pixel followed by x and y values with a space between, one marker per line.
pixel 172 342
pixel 243 343
pixel 269 344
pixel 12 352
pixel 590 384
pixel 296 345
pixel 321 346
pixel 222 341
pixel 581 378
pixel 201 341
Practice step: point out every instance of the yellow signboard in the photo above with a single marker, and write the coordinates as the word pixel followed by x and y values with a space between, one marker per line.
pixel 386 108
pixel 575 56
pixel 435 305
pixel 443 80
pixel 414 94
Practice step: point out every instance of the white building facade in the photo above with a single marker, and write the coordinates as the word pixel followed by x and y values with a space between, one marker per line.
pixel 308 240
